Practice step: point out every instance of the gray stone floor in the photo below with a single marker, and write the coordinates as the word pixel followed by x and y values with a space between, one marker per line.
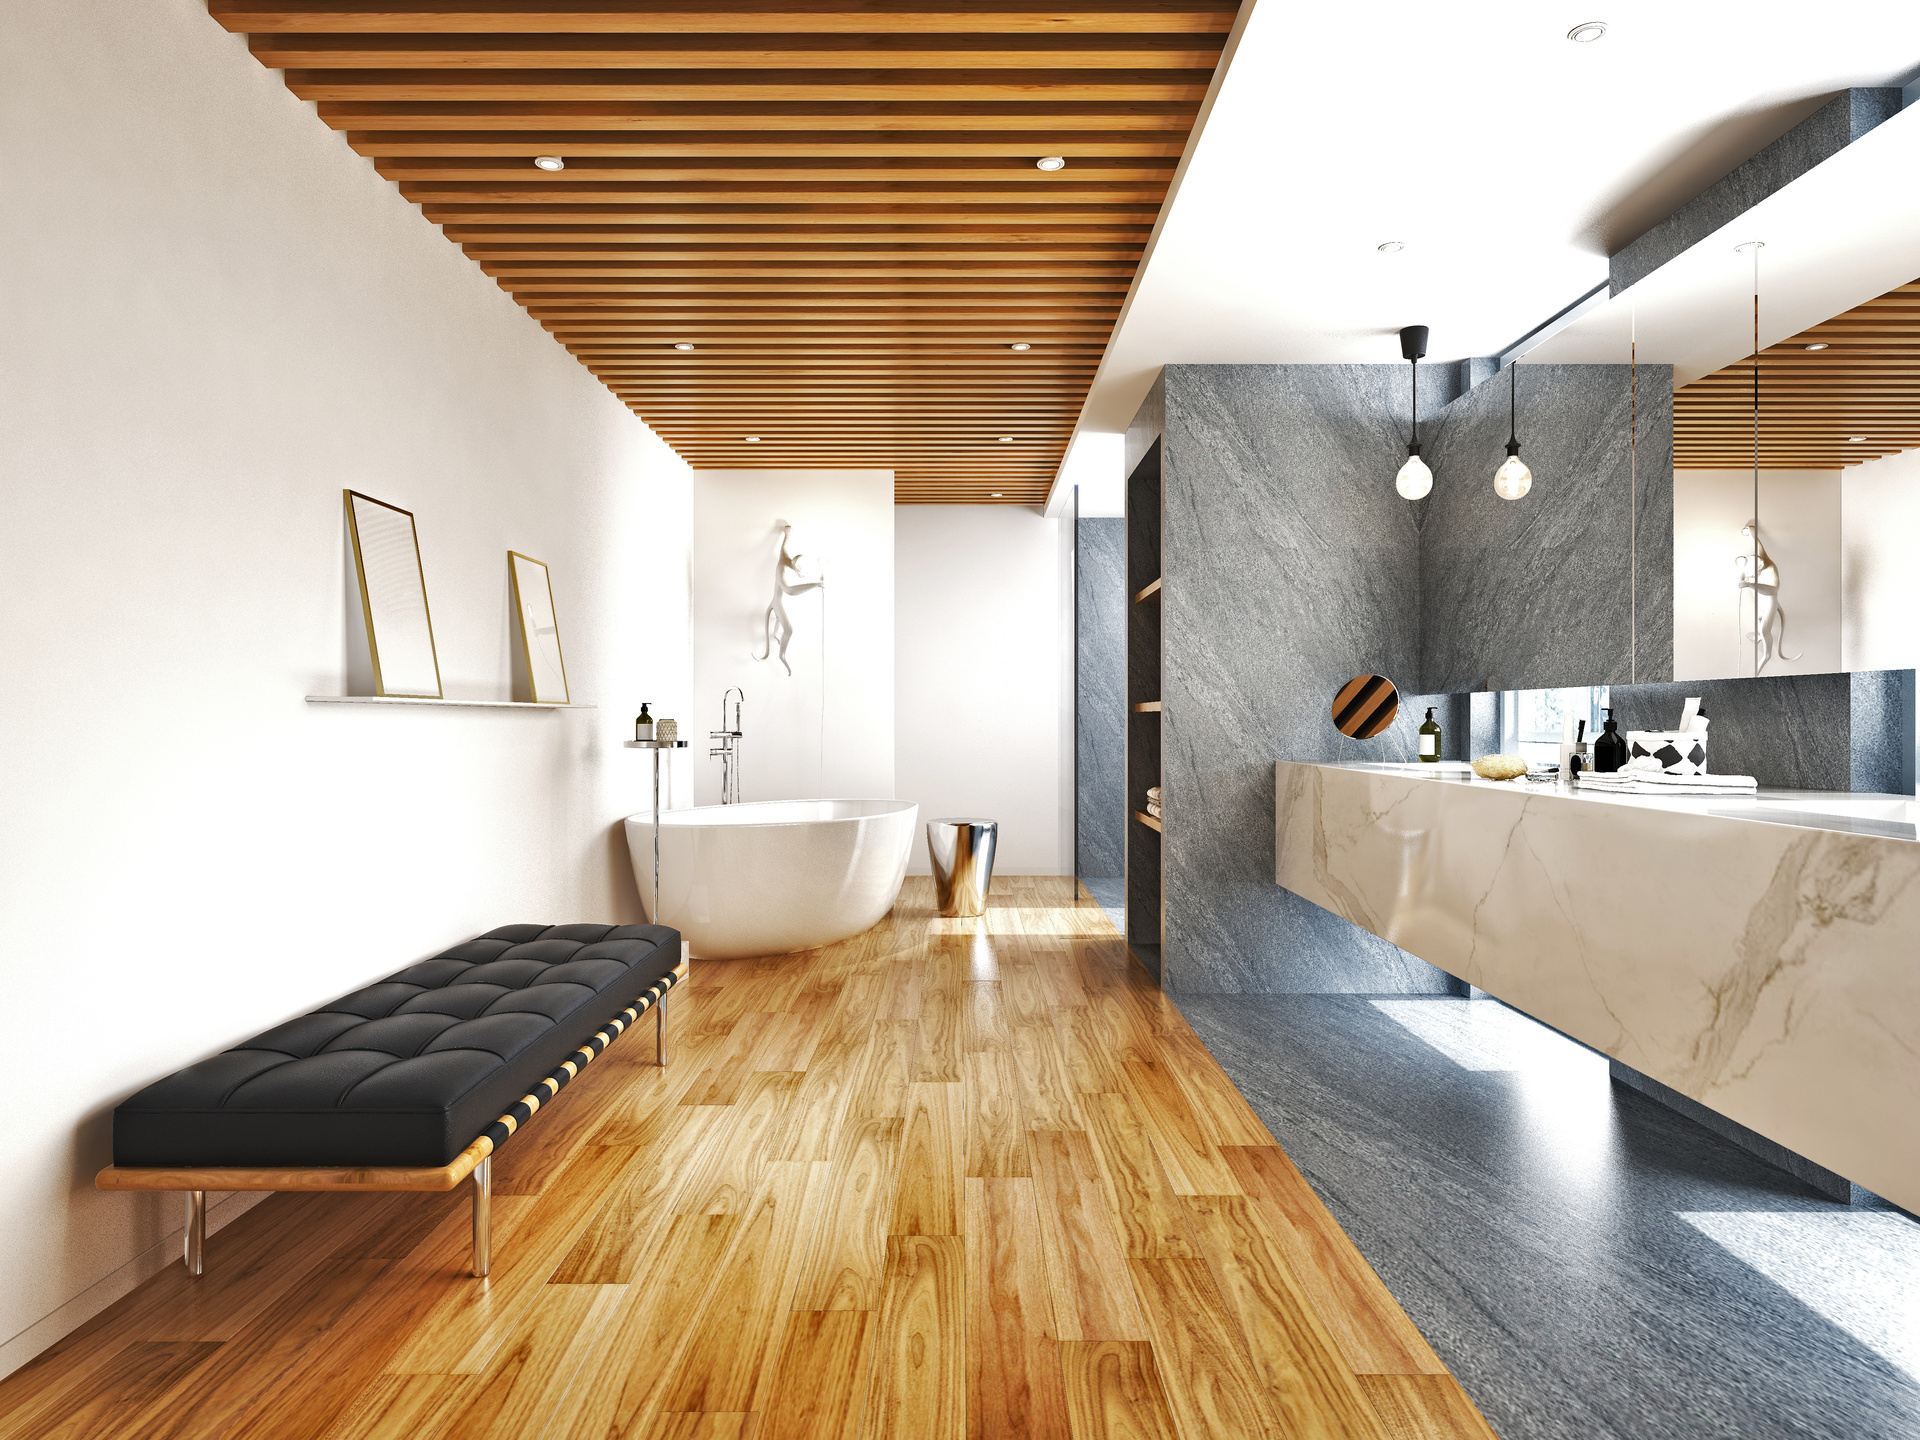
pixel 1531 1217
pixel 1111 894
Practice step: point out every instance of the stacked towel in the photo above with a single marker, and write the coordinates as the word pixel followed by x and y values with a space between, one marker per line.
pixel 1153 801
pixel 1633 781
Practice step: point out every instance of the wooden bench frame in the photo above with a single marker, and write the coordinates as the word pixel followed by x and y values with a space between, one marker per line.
pixel 476 1161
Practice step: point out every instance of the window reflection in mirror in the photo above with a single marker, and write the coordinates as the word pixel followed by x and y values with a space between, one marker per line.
pixel 1531 721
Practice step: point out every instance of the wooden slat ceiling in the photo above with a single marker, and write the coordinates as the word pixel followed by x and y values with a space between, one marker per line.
pixel 1865 383
pixel 834 201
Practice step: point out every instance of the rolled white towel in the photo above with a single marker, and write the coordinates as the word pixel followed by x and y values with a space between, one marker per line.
pixel 1153 794
pixel 1153 808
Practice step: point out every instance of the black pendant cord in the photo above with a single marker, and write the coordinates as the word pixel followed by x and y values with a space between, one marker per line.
pixel 1754 576
pixel 1413 445
pixel 1513 408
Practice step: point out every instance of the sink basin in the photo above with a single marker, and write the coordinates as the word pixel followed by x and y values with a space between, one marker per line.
pixel 1884 815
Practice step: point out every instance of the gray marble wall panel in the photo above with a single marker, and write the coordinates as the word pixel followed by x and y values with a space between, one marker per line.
pixel 1792 731
pixel 1100 697
pixel 1540 592
pixel 1882 738
pixel 1826 132
pixel 1290 566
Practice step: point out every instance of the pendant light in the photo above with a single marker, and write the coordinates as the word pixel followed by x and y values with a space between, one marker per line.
pixel 1414 479
pixel 1512 479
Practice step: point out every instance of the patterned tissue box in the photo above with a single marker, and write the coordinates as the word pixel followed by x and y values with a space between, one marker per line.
pixel 1678 753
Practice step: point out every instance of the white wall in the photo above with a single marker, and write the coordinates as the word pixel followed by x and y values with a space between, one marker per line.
pixel 1880 563
pixel 217 316
pixel 984 676
pixel 1801 528
pixel 828 727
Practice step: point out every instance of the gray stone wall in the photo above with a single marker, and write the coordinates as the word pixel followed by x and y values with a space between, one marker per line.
pixel 1100 699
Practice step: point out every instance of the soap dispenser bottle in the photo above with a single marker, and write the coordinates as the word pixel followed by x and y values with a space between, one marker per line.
pixel 643 723
pixel 1610 749
pixel 1430 740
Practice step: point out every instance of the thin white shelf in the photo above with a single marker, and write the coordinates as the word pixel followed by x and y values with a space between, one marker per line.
pixel 429 700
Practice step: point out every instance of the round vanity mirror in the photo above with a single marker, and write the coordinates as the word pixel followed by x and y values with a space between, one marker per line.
pixel 1365 706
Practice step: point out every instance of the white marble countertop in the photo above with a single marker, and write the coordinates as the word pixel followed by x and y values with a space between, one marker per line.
pixel 1891 817
pixel 1760 955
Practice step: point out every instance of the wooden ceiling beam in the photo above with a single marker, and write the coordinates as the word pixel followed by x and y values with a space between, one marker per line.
pixel 1091 179
pixel 815 145
pixel 561 192
pixel 768 86
pixel 801 239
pixel 888 253
pixel 1050 116
pixel 727 268
pixel 800 217
pixel 745 17
pixel 1087 53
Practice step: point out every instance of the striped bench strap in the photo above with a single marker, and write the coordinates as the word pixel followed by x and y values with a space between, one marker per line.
pixel 501 1129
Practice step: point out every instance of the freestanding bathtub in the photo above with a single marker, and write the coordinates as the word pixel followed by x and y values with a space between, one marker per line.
pixel 776 876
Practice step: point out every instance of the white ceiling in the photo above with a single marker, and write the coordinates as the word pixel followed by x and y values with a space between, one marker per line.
pixel 1508 160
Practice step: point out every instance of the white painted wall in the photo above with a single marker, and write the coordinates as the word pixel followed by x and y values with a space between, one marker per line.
pixel 984 676
pixel 1880 563
pixel 1801 528
pixel 827 729
pixel 217 316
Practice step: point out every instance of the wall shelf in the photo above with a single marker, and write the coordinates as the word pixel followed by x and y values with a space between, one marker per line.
pixel 1147 707
pixel 430 700
pixel 1152 592
pixel 1146 910
pixel 1146 819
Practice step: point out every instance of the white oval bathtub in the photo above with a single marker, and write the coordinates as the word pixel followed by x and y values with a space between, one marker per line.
pixel 775 876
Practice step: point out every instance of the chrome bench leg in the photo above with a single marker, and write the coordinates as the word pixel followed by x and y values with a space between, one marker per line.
pixel 483 1218
pixel 660 1029
pixel 196 1232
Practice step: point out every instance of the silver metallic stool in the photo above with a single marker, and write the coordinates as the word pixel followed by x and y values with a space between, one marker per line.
pixel 962 854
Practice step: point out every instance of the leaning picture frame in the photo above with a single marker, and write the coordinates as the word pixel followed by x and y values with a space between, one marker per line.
pixel 539 630
pixel 393 598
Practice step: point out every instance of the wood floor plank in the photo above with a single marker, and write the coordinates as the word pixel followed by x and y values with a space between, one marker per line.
pixel 134 1376
pixel 1224 1114
pixel 918 1387
pixel 686 1426
pixel 1193 1165
pixel 729 1362
pixel 996 1124
pixel 983 1026
pixel 1114 1391
pixel 1152 1223
pixel 1373 1332
pixel 402 1407
pixel 847 1257
pixel 1093 1295
pixel 619 1239
pixel 1202 1352
pixel 1092 1067
pixel 937 1055
pixel 813 1120
pixel 882 1088
pixel 1014 1384
pixel 729 1169
pixel 927 1197
pixel 790 1042
pixel 623 1382
pixel 525 1388
pixel 1309 1385
pixel 1425 1407
pixel 820 1387
pixel 726 1076
pixel 1047 1097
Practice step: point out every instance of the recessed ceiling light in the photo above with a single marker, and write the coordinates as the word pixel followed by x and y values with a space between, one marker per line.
pixel 682 345
pixel 549 162
pixel 1006 439
pixel 994 496
pixel 1821 346
pixel 1587 32
pixel 1391 247
pixel 1021 346
pixel 1856 439
pixel 1050 162
pixel 751 439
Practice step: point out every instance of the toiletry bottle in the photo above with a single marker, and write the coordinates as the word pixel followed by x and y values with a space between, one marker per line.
pixel 1430 739
pixel 1610 750
pixel 643 723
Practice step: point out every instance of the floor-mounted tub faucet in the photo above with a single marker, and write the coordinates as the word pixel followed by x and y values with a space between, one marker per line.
pixel 728 749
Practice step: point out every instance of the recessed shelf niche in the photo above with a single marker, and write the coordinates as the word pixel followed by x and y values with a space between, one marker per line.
pixel 1145 909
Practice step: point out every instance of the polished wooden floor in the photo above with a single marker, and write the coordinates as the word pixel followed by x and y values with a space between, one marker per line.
pixel 948 1179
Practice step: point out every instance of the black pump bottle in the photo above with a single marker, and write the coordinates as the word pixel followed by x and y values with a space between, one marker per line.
pixel 1610 750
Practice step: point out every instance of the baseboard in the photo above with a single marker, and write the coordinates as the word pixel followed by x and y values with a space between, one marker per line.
pixel 103 1292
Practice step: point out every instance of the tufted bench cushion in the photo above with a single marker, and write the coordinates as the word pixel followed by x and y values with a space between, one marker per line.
pixel 408 1071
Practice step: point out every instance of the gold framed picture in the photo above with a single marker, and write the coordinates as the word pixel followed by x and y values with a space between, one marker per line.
pixel 539 630
pixel 393 598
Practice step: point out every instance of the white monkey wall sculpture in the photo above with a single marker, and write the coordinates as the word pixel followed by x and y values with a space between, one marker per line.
pixel 1759 601
pixel 779 627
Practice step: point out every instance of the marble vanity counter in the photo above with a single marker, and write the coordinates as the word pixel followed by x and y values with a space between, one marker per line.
pixel 1761 956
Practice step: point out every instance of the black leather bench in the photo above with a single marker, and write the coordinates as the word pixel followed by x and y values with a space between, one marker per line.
pixel 411 1083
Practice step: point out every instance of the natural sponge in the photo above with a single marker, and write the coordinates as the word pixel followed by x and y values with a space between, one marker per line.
pixel 1500 767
